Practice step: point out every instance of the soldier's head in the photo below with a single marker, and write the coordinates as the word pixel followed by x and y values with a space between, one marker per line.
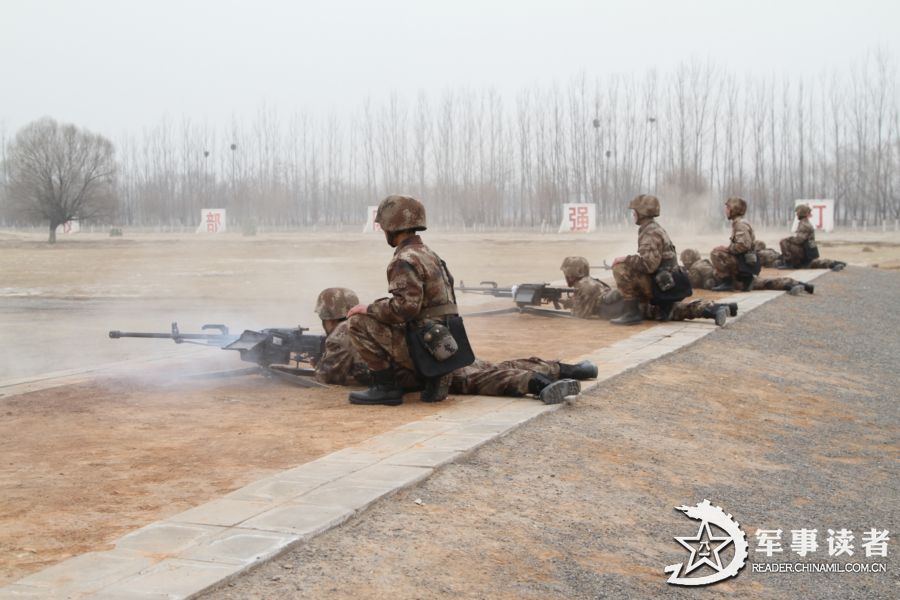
pixel 400 214
pixel 803 211
pixel 689 257
pixel 759 245
pixel 645 207
pixel 735 207
pixel 575 268
pixel 333 304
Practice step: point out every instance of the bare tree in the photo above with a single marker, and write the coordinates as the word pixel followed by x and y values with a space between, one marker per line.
pixel 59 173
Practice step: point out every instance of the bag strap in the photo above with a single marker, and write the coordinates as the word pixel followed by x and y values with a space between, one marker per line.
pixel 441 310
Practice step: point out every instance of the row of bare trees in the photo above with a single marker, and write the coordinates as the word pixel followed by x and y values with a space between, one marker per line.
pixel 692 136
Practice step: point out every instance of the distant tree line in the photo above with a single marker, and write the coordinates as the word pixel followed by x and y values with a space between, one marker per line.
pixel 692 136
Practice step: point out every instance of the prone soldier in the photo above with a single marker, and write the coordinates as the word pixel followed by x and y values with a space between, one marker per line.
pixel 800 251
pixel 768 257
pixel 592 298
pixel 650 281
pixel 702 276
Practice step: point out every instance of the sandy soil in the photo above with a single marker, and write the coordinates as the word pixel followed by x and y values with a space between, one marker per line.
pixel 86 462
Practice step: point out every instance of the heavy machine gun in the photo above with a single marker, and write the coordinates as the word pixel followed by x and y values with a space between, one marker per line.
pixel 282 352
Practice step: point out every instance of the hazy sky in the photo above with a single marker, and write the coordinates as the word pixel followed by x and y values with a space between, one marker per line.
pixel 117 66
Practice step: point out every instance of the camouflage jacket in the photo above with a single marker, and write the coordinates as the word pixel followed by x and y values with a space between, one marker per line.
pixel 416 281
pixel 742 237
pixel 805 232
pixel 587 300
pixel 654 248
pixel 702 275
pixel 768 257
pixel 340 364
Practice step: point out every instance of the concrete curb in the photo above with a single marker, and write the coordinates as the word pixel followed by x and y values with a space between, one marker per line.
pixel 190 553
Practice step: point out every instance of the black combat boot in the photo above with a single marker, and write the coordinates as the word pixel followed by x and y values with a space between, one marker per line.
pixel 810 288
pixel 436 389
pixel 631 315
pixel 726 285
pixel 719 312
pixel 552 392
pixel 732 309
pixel 583 370
pixel 838 265
pixel 781 265
pixel 384 390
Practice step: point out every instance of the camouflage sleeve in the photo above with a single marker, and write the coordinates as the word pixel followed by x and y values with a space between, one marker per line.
pixel 340 364
pixel 805 231
pixel 586 298
pixel 650 248
pixel 406 288
pixel 741 238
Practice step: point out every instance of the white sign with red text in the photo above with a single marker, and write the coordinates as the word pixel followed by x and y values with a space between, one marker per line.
pixel 822 217
pixel 212 220
pixel 578 218
pixel 371 225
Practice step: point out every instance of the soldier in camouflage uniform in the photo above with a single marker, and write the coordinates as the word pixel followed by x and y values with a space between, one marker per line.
pixel 794 248
pixel 592 298
pixel 724 259
pixel 702 276
pixel 768 257
pixel 421 291
pixel 341 364
pixel 634 273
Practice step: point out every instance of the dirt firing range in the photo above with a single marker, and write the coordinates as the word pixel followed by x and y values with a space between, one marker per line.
pixel 101 437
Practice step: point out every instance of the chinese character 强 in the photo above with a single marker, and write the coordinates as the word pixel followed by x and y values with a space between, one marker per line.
pixel 579 218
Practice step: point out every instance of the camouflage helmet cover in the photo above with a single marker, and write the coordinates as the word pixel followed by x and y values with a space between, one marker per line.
pixel 401 213
pixel 736 207
pixel 802 210
pixel 689 257
pixel 759 245
pixel 575 267
pixel 335 303
pixel 645 205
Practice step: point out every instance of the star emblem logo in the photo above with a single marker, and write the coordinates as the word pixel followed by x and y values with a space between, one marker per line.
pixel 703 546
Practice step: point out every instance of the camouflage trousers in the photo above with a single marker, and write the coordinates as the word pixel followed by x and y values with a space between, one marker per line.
pixel 634 284
pixel 680 311
pixel 768 257
pixel 792 254
pixel 822 263
pixel 776 283
pixel 724 264
pixel 382 346
pixel 508 378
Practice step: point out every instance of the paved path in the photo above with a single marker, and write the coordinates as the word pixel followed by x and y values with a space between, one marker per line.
pixel 787 418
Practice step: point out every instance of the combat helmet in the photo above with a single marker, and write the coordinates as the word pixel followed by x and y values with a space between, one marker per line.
pixel 645 205
pixel 689 257
pixel 736 207
pixel 802 210
pixel 575 267
pixel 335 302
pixel 759 245
pixel 401 213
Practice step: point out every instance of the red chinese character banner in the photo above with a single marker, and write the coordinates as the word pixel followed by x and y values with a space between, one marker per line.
pixel 578 218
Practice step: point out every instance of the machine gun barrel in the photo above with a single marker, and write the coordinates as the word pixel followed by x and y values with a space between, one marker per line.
pixel 209 339
pixel 487 288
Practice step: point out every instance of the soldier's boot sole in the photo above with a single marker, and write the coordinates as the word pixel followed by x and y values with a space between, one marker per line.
pixel 721 315
pixel 810 288
pixel 796 290
pixel 556 392
pixel 838 266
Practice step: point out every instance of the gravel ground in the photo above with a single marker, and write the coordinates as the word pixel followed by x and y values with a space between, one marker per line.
pixel 787 419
